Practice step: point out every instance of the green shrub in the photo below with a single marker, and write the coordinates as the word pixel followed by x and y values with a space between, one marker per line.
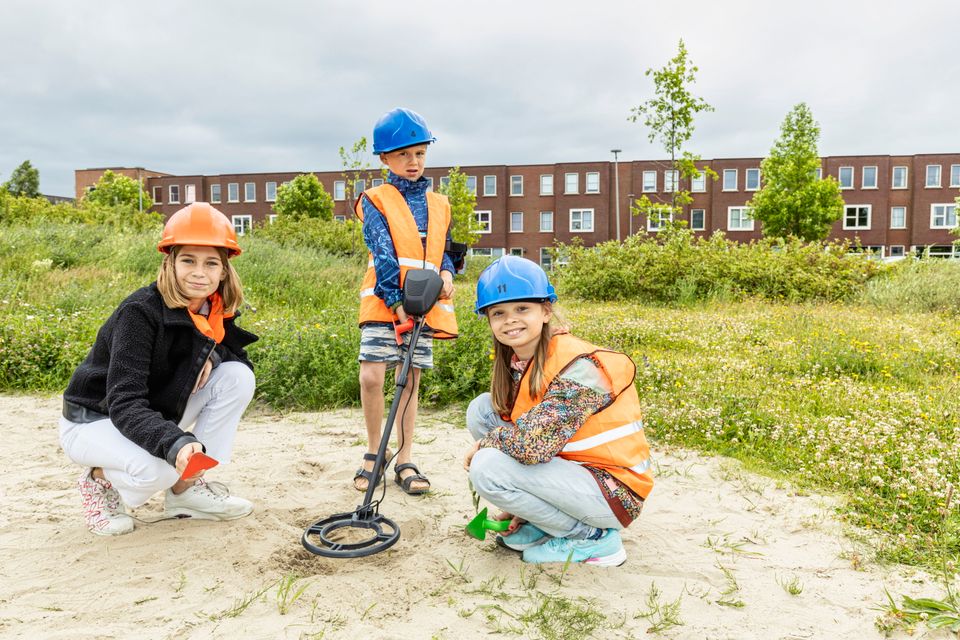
pixel 917 285
pixel 336 238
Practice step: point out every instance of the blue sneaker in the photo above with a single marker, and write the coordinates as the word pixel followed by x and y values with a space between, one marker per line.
pixel 524 537
pixel 605 552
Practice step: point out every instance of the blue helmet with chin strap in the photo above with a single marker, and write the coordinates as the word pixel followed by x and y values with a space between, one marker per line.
pixel 398 129
pixel 512 278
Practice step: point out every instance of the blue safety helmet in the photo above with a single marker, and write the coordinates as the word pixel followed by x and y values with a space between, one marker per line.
pixel 512 278
pixel 398 129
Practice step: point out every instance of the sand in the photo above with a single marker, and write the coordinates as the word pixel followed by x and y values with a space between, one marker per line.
pixel 720 541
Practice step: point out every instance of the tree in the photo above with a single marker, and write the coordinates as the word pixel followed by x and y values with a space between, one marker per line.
pixel 355 166
pixel 792 201
pixel 24 181
pixel 463 218
pixel 116 189
pixel 669 117
pixel 304 197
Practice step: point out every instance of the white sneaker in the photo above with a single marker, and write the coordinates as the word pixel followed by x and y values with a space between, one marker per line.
pixel 102 509
pixel 206 501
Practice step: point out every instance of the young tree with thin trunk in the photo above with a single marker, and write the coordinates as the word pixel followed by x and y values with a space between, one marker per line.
pixel 24 181
pixel 463 201
pixel 304 197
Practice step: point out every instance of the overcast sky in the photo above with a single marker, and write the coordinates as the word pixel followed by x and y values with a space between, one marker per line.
pixel 207 87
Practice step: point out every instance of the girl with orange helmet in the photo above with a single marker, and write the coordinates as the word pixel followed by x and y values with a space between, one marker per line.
pixel 168 358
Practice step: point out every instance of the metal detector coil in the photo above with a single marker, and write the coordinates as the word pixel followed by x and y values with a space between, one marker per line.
pixel 421 289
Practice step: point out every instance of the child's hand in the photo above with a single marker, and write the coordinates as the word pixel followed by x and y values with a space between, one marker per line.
pixel 469 457
pixel 204 376
pixel 515 521
pixel 183 456
pixel 401 314
pixel 447 291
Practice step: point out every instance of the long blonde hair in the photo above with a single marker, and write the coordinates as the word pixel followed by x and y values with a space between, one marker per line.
pixel 176 298
pixel 501 378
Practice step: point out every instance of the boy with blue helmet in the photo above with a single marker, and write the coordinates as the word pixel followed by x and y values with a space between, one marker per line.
pixel 560 442
pixel 405 226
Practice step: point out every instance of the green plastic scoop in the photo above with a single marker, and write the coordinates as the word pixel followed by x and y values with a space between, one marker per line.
pixel 481 523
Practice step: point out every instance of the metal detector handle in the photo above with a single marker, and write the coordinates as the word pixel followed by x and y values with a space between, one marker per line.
pixel 401 328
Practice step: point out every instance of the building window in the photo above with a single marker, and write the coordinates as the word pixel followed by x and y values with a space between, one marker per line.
pixel 933 175
pixel 516 251
pixel 698 184
pixel 359 186
pixel 378 182
pixel 516 221
pixel 581 220
pixel 670 180
pixel 955 175
pixel 846 177
pixel 472 184
pixel 657 219
pixel 546 260
pixel 739 219
pixel 271 218
pixel 444 182
pixel 233 192
pixel 483 219
pixel 943 216
pixel 339 190
pixel 249 192
pixel 899 178
pixel 516 185
pixel 546 185
pixel 242 224
pixel 729 179
pixel 271 192
pixel 856 216
pixel 898 217
pixel 546 221
pixel 489 185
pixel 429 184
pixel 571 183
pixel 340 217
pixel 818 173
pixel 897 251
pixel 869 178
pixel 215 193
pixel 481 252
pixel 753 179
pixel 189 193
pixel 649 181
pixel 593 182
pixel 698 219
pixel 174 194
pixel 158 195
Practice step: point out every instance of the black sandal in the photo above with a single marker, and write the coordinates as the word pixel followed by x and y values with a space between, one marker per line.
pixel 409 480
pixel 363 473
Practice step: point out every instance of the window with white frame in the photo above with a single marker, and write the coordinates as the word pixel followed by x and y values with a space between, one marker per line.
pixel 472 184
pixel 571 183
pixel 215 193
pixel 481 252
pixel 249 192
pixel 593 182
pixel 271 191
pixel 271 218
pixel 173 194
pixel 845 177
pixel 546 185
pixel 649 181
pixel 856 216
pixel 242 224
pixel 897 251
pixel 483 220
pixel 233 192
pixel 516 185
pixel 489 185
pixel 943 216
pixel 698 219
pixel 752 179
pixel 581 220
pixel 340 217
pixel 955 175
pixel 158 195
pixel 546 221
pixel 818 173
pixel 429 184
pixel 378 182
pixel 869 178
pixel 189 193
pixel 546 259
pixel 898 217
pixel 516 221
pixel 444 182
pixel 698 183
pixel 670 180
pixel 339 190
pixel 933 176
pixel 658 219
pixel 899 178
pixel 359 186
pixel 739 219
pixel 729 179
pixel 516 251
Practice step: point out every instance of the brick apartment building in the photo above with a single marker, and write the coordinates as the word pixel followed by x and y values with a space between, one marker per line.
pixel 894 204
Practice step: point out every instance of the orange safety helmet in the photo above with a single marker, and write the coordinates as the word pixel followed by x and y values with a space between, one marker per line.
pixel 202 225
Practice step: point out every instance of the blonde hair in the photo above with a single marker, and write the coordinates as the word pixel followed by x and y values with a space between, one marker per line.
pixel 231 290
pixel 501 378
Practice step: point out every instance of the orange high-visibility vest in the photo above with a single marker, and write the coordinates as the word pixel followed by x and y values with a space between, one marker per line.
pixel 410 254
pixel 612 439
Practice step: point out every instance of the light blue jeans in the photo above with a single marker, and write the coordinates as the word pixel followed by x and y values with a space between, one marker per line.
pixel 560 497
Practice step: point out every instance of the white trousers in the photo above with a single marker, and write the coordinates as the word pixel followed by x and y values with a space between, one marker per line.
pixel 214 412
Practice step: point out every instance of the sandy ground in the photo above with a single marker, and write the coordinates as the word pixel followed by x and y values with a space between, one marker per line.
pixel 718 540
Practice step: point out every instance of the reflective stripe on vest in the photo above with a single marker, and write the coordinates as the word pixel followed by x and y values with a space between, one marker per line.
pixel 411 254
pixel 603 438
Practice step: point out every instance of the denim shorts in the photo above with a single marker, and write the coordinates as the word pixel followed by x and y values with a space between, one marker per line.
pixel 378 343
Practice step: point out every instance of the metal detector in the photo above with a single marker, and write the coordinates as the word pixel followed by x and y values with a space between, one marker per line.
pixel 329 536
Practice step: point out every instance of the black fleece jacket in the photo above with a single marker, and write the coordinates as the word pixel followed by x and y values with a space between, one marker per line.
pixel 142 368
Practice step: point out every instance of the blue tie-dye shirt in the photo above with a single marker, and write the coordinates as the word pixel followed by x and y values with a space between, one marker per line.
pixel 376 235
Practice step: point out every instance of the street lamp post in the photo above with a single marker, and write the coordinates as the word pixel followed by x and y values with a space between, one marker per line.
pixel 616 187
pixel 630 197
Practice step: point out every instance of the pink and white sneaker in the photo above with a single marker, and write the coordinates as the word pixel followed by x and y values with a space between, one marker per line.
pixel 102 509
